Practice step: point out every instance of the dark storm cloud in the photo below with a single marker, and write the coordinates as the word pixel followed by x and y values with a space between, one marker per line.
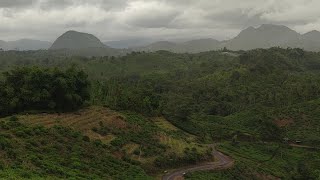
pixel 162 19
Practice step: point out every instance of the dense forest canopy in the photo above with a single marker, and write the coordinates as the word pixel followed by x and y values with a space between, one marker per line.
pixel 182 87
pixel 33 88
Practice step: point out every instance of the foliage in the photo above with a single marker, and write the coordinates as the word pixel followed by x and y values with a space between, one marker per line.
pixel 212 95
pixel 57 153
pixel 43 89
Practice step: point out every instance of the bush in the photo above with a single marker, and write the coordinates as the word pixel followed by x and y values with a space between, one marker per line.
pixel 86 138
pixel 14 118
pixel 4 143
pixel 118 142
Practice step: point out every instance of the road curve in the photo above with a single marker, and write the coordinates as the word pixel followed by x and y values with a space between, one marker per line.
pixel 223 162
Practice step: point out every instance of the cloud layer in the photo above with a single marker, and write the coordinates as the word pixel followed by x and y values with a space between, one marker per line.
pixel 156 19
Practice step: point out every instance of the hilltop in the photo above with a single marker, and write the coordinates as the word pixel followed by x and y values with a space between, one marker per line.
pixel 77 40
pixel 82 44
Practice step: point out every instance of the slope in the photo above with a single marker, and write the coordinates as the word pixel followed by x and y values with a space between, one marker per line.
pixel 128 135
pixel 57 153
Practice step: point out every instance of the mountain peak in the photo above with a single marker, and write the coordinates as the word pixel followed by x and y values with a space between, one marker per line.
pixel 312 36
pixel 77 40
pixel 273 27
pixel 249 29
pixel 265 36
pixel 313 32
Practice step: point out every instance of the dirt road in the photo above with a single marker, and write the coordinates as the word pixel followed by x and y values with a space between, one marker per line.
pixel 223 162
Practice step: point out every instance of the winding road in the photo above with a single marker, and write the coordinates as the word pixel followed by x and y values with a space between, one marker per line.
pixel 223 162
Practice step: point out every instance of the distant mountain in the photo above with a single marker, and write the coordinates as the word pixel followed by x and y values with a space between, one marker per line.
pixel 265 36
pixel 192 46
pixel 160 45
pixel 77 40
pixel 200 45
pixel 82 44
pixel 312 36
pixel 25 44
pixel 129 43
pixel 310 41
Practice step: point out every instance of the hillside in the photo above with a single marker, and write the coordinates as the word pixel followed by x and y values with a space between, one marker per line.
pixel 77 40
pixel 57 153
pixel 129 136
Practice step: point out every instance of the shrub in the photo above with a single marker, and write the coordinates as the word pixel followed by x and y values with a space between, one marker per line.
pixel 14 118
pixel 86 138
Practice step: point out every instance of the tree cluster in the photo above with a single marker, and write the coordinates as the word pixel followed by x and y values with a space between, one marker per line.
pixel 34 88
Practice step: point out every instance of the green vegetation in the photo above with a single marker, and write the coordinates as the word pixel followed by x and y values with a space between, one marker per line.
pixel 254 100
pixel 57 152
pixel 129 136
pixel 266 160
pixel 42 89
pixel 240 172
pixel 277 160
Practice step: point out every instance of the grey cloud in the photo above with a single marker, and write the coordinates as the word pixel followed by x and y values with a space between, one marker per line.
pixel 120 19
pixel 15 3
pixel 237 18
pixel 55 4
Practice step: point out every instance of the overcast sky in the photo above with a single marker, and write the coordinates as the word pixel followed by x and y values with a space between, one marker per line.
pixel 157 19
